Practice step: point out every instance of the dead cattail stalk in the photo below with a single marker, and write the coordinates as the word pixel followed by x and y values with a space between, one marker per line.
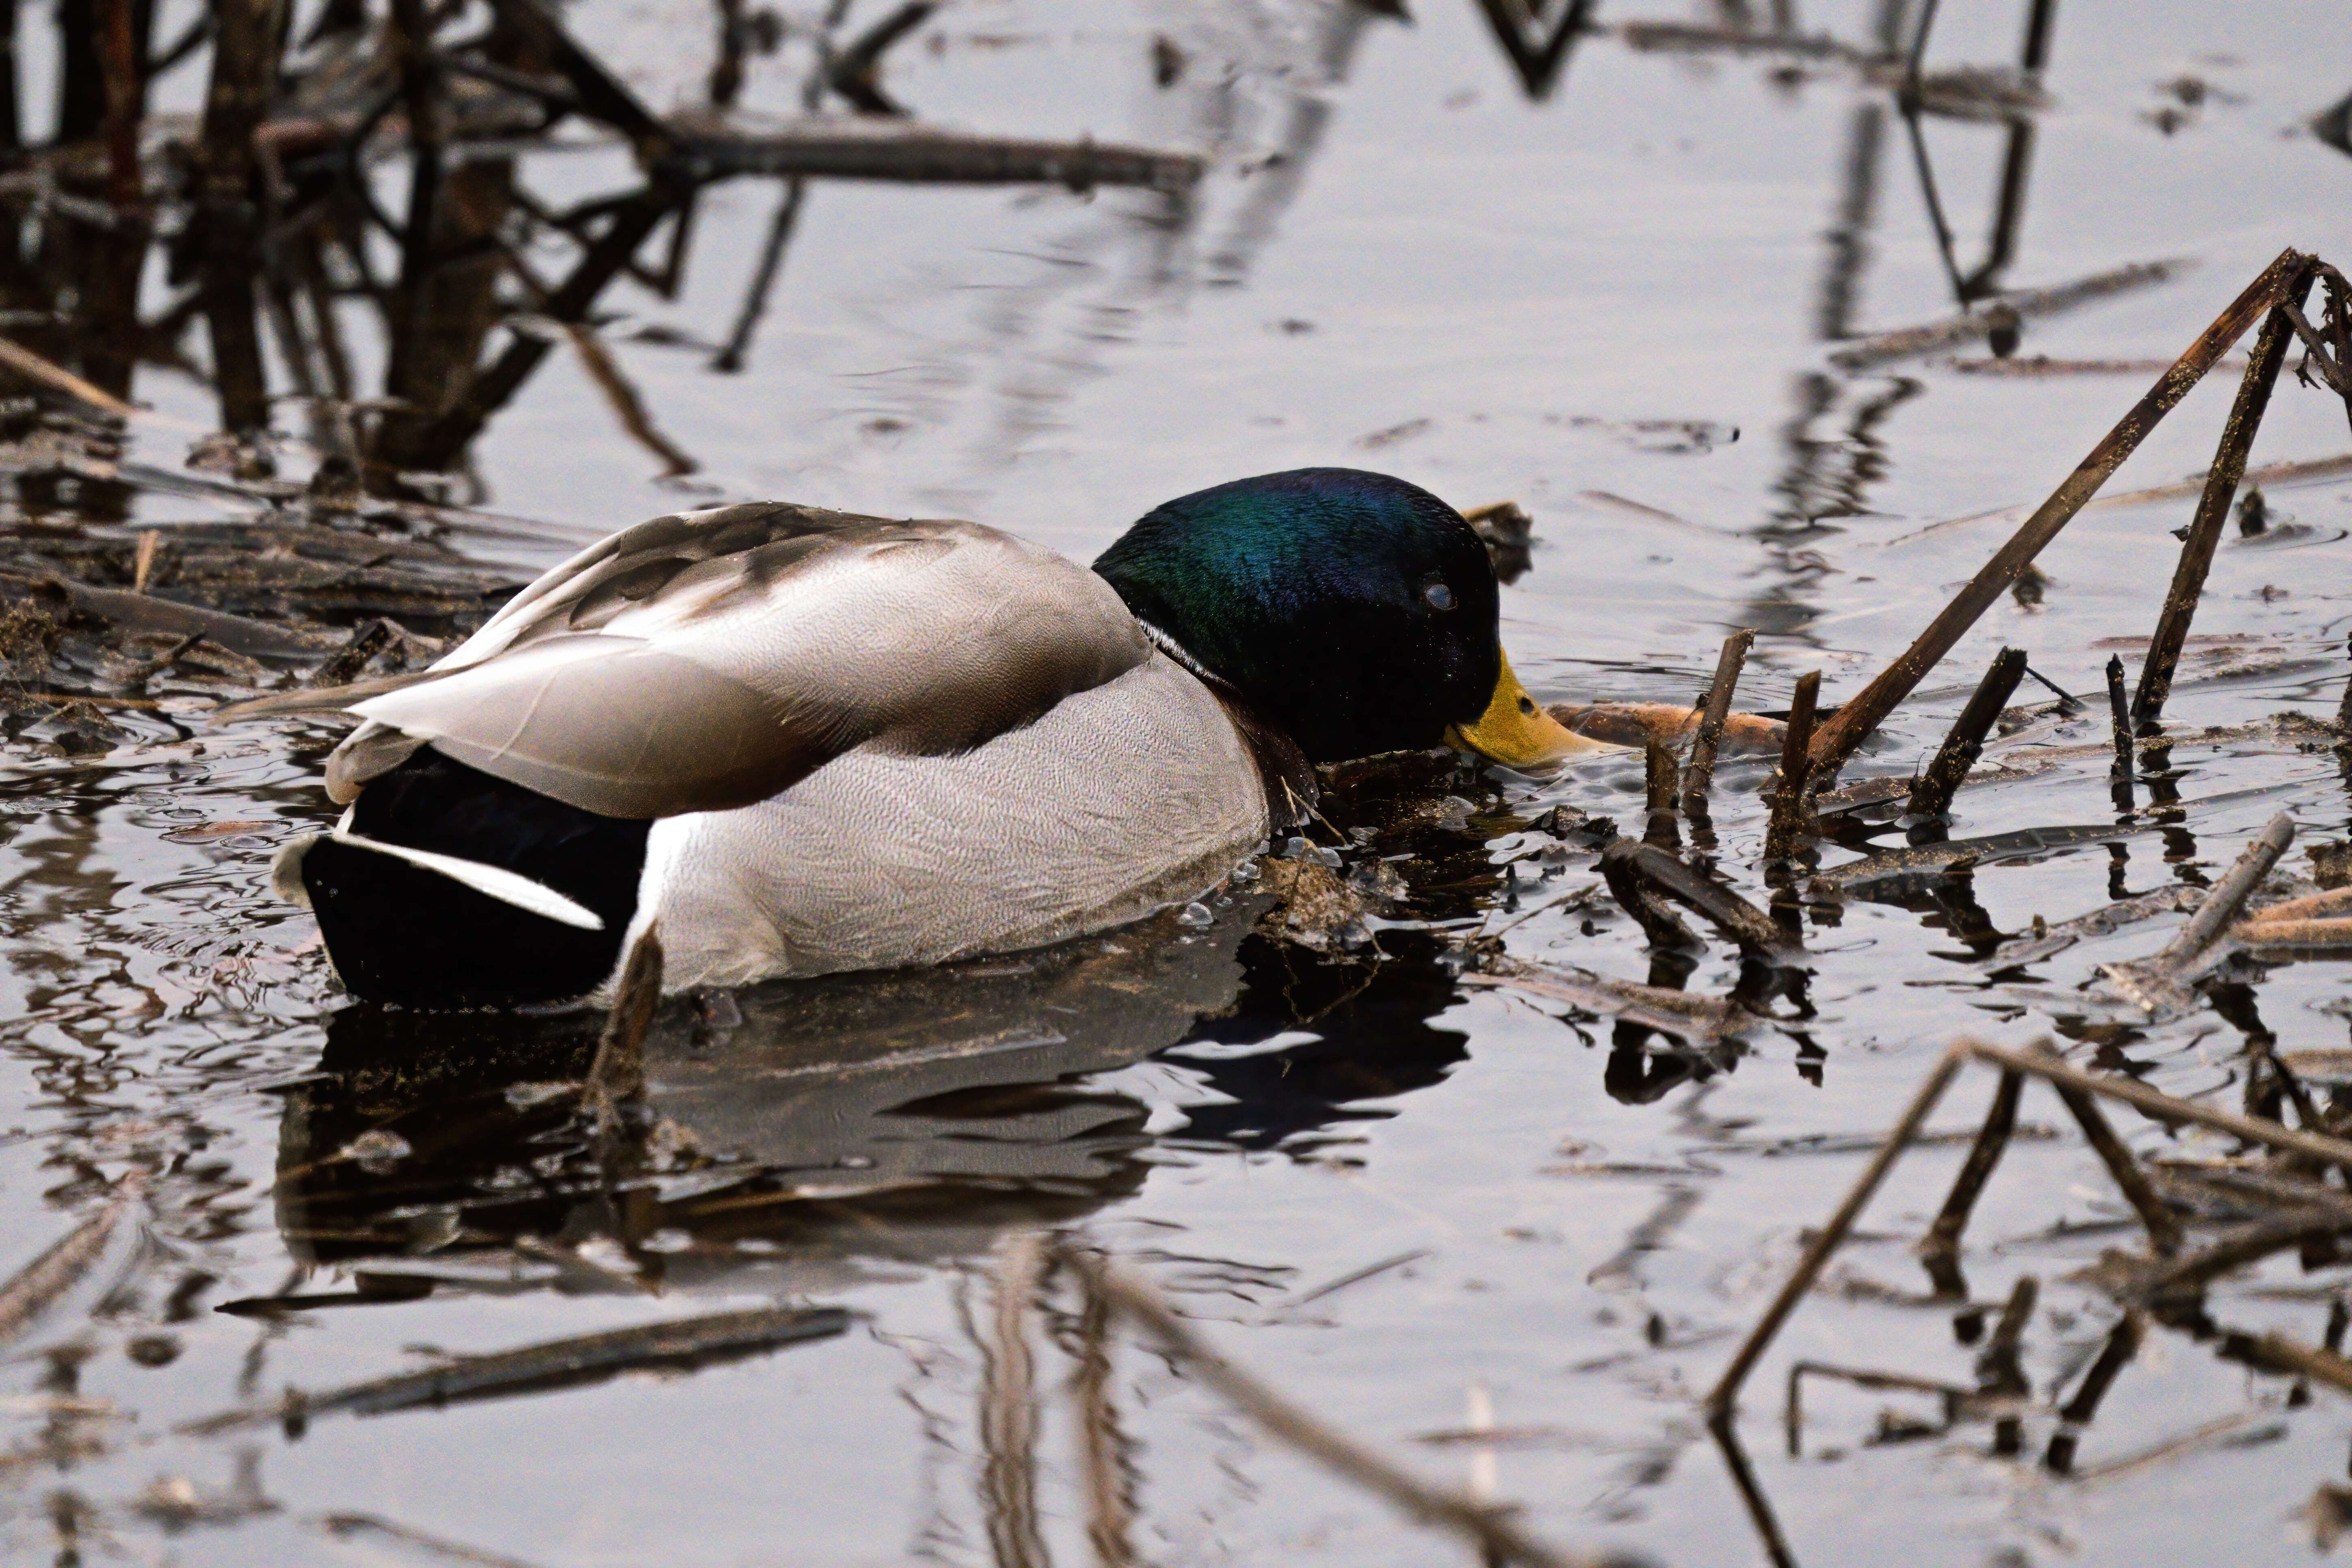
pixel 2213 509
pixel 1869 707
pixel 142 563
pixel 2120 772
pixel 1698 772
pixel 1789 826
pixel 1491 1528
pixel 1932 794
pixel 1645 866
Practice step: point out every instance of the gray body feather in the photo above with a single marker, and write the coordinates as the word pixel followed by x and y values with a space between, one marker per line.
pixel 865 743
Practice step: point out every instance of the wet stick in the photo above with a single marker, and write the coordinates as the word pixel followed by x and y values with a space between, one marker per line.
pixel 2119 774
pixel 1788 825
pixel 1730 914
pixel 1659 783
pixel 1699 774
pixel 2213 510
pixel 2229 896
pixel 1869 707
pixel 1619 867
pixel 586 1358
pixel 1932 795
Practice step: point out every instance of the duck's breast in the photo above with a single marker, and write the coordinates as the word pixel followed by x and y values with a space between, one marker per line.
pixel 1119 800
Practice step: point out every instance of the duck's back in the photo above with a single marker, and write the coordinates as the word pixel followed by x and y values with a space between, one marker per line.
pixel 802 741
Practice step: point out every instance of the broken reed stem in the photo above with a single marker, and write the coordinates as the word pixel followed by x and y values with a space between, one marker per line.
pixel 1660 783
pixel 1868 708
pixel 2120 772
pixel 2229 896
pixel 618 1073
pixel 57 378
pixel 1492 1528
pixel 2164 1235
pixel 2213 508
pixel 1699 774
pixel 1939 1250
pixel 2051 1069
pixel 1722 1398
pixel 2320 1365
pixel 1657 869
pixel 2261 932
pixel 1787 826
pixel 1932 795
pixel 2247 1244
pixel 1622 867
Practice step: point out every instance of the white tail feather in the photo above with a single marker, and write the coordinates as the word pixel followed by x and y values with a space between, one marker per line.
pixel 507 886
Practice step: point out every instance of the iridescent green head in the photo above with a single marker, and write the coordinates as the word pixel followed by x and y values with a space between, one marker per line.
pixel 1355 611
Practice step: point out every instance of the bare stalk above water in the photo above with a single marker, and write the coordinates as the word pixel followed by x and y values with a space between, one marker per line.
pixel 1699 774
pixel 2213 509
pixel 1868 708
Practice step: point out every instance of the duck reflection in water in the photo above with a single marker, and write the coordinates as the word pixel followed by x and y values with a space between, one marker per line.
pixel 805 1134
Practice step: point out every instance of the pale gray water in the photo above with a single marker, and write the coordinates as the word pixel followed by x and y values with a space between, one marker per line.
pixel 1558 302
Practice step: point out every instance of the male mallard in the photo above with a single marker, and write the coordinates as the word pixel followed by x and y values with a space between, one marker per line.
pixel 805 741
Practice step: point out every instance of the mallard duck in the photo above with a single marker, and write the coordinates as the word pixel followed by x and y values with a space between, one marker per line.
pixel 805 742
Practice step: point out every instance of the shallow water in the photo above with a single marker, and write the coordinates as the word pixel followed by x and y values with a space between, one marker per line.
pixel 1404 1201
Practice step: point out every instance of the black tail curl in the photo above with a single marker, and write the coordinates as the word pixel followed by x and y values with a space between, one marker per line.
pixel 400 932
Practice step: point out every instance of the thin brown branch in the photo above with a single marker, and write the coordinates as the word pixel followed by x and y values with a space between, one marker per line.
pixel 1869 707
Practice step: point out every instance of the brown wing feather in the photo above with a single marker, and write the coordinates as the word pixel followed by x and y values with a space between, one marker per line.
pixel 703 662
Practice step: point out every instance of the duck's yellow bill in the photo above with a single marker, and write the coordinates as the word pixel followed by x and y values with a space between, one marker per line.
pixel 1516 731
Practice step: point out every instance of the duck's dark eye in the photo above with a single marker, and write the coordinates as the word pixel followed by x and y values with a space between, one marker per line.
pixel 1438 597
pixel 1528 706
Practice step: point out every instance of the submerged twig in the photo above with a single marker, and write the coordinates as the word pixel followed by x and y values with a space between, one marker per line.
pixel 584 1358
